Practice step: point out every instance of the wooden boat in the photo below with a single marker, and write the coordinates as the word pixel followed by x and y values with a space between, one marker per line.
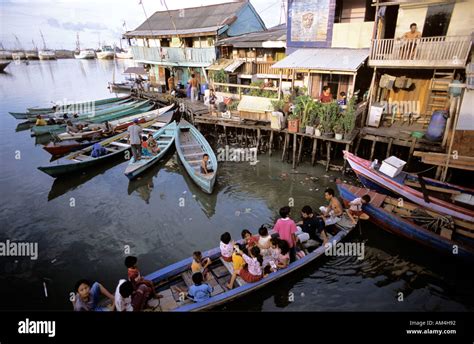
pixel 165 139
pixel 107 115
pixel 191 146
pixel 172 280
pixel 441 197
pixel 57 106
pixel 121 87
pixel 81 160
pixel 118 124
pixel 3 65
pixel 64 147
pixel 405 219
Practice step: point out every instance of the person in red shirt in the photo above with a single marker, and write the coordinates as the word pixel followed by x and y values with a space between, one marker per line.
pixel 286 229
pixel 326 96
pixel 249 240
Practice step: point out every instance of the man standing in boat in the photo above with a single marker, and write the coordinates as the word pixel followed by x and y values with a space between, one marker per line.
pixel 134 138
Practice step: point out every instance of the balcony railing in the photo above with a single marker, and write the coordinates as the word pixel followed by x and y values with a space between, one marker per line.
pixel 263 68
pixel 425 52
pixel 175 55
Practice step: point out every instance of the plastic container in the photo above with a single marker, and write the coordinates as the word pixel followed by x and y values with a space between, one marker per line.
pixel 392 166
pixel 437 126
pixel 275 121
pixel 204 87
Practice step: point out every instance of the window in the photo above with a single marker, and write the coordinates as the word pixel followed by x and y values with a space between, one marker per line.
pixel 437 20
pixel 350 11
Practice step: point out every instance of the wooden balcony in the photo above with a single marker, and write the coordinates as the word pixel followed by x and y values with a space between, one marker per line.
pixel 175 56
pixel 263 69
pixel 425 52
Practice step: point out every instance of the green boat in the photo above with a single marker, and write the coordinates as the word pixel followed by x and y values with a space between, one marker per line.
pixel 105 116
pixel 37 110
pixel 81 160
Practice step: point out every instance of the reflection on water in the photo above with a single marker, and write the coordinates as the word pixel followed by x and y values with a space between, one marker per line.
pixel 163 216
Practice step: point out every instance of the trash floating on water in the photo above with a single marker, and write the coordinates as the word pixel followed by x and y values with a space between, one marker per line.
pixel 194 196
pixel 53 261
pixel 45 289
pixel 237 213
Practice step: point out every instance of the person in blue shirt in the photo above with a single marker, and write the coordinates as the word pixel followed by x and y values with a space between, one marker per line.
pixel 98 150
pixel 199 291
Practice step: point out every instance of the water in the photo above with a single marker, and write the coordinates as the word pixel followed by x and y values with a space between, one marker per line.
pixel 111 213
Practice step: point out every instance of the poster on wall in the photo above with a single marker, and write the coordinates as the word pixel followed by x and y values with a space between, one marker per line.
pixel 309 20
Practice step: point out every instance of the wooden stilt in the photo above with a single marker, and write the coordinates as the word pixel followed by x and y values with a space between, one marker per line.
pixel 348 147
pixel 285 147
pixel 294 150
pixel 313 153
pixel 372 150
pixel 389 148
pixel 225 134
pixel 258 137
pixel 300 150
pixel 328 143
pixel 270 142
pixel 359 138
pixel 412 149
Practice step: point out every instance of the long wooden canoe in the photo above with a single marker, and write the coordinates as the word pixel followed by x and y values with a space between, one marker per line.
pixel 54 108
pixel 401 219
pixel 174 280
pixel 64 147
pixel 129 110
pixel 442 197
pixel 164 138
pixel 191 146
pixel 116 147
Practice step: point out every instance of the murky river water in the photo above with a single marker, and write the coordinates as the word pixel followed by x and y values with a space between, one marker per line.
pixel 110 212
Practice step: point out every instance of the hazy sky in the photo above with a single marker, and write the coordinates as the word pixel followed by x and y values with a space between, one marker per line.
pixel 60 20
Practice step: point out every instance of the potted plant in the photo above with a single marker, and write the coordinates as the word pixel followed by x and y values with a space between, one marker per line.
pixel 304 108
pixel 349 118
pixel 328 116
pixel 293 122
pixel 317 131
pixel 339 128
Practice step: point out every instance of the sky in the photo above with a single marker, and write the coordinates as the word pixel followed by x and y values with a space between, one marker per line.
pixel 61 20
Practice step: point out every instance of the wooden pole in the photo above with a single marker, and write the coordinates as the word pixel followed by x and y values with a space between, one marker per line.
pixel 294 150
pixel 348 147
pixel 372 149
pixel 328 143
pixel 258 138
pixel 389 148
pixel 313 153
pixel 446 166
pixel 279 85
pixel 369 103
pixel 300 150
pixel 270 143
pixel 285 146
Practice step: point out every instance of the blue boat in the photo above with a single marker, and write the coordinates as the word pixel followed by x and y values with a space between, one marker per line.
pixel 411 221
pixel 172 281
pixel 164 138
pixel 191 146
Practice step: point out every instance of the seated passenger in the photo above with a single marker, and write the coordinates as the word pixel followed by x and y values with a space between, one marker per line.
pixel 153 145
pixel 145 150
pixel 123 296
pixel 263 240
pixel 88 296
pixel 199 291
pixel 355 208
pixel 98 150
pixel 333 212
pixel 253 271
pixel 40 121
pixel 200 264
pixel 227 247
pixel 205 169
pixel 249 240
pixel 284 257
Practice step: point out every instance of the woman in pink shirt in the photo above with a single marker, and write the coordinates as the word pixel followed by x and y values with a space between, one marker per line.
pixel 286 229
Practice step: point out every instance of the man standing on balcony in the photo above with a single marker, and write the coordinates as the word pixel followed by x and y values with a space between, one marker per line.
pixel 413 33
pixel 194 87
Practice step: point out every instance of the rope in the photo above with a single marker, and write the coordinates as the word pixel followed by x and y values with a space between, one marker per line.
pixel 424 171
pixel 433 223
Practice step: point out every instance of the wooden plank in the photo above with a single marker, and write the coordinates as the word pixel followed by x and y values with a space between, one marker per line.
pixel 230 268
pixel 167 302
pixel 294 150
pixel 300 150
pixel 270 143
pixel 328 155
pixel 313 153
pixel 433 188
pixel 187 277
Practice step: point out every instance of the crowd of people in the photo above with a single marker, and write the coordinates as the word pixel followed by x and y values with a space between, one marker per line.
pixel 252 258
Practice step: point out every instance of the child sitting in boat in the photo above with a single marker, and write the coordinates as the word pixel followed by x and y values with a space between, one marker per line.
pixel 144 289
pixel 88 296
pixel 249 240
pixel 237 261
pixel 283 259
pixel 123 296
pixel 205 169
pixel 355 208
pixel 253 271
pixel 98 150
pixel 263 242
pixel 227 247
pixel 145 150
pixel 40 121
pixel 199 291
pixel 152 144
pixel 200 264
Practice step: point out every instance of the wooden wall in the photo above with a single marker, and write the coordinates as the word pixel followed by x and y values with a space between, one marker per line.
pixel 464 142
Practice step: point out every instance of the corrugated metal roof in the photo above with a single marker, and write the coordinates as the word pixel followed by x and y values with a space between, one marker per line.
pixel 187 20
pixel 256 39
pixel 172 32
pixel 255 104
pixel 135 70
pixel 327 59
pixel 234 65
pixel 220 64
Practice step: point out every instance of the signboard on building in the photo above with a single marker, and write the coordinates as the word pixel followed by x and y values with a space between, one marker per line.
pixel 310 23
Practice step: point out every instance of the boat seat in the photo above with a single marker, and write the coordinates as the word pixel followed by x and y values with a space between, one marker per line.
pixel 193 154
pixel 82 157
pixel 119 144
pixel 190 145
pixel 167 136
pixel 230 267
pixel 150 130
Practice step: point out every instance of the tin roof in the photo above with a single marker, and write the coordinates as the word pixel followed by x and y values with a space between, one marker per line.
pixel 327 59
pixel 274 37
